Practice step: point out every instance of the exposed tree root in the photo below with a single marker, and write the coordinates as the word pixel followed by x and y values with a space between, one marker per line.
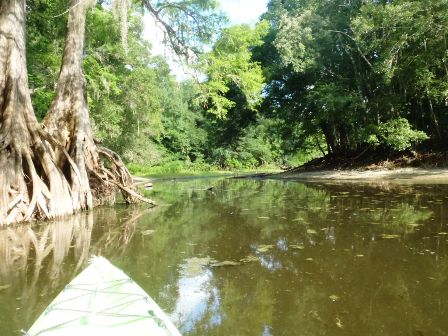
pixel 54 171
pixel 126 191
pixel 92 180
pixel 31 184
pixel 132 193
pixel 120 174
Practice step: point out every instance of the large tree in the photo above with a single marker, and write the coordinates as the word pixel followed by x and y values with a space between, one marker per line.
pixel 347 71
pixel 68 118
pixel 68 123
pixel 57 170
pixel 31 183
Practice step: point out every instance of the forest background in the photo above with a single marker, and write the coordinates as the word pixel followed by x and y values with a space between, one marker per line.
pixel 342 78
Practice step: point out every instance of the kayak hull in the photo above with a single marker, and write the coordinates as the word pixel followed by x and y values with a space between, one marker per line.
pixel 103 300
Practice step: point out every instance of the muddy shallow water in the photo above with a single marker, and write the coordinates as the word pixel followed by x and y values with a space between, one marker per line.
pixel 253 257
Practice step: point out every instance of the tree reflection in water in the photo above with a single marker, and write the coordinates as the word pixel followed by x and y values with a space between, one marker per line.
pixel 254 257
pixel 37 260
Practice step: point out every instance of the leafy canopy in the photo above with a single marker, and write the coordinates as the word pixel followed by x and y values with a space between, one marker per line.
pixel 230 64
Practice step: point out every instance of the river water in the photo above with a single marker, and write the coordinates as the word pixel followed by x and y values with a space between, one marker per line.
pixel 253 257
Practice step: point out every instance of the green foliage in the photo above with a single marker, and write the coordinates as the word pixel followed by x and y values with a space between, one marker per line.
pixel 311 78
pixel 256 146
pixel 136 106
pixel 406 41
pixel 296 39
pixel 45 42
pixel 396 134
pixel 123 88
pixel 345 66
pixel 231 95
pixel 230 64
pixel 301 158
pixel 182 135
pixel 173 168
pixel 316 88
pixel 188 24
pixel 334 104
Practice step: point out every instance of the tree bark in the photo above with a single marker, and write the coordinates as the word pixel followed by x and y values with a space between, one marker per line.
pixel 68 122
pixel 54 170
pixel 31 184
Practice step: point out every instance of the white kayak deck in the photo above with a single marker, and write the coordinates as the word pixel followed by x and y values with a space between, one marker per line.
pixel 103 300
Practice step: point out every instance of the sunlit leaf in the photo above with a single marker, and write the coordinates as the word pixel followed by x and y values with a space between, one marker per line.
pixel 339 323
pixel 225 263
pixel 264 248
pixel 389 236
pixel 148 232
pixel 334 298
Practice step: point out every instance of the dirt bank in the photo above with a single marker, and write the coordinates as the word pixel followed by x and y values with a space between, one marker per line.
pixel 403 175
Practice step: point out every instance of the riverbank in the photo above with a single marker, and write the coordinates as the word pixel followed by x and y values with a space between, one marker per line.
pixel 411 175
pixel 376 166
pixel 178 169
pixel 402 175
pixel 412 167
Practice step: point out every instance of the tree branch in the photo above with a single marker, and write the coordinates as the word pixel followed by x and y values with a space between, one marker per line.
pixel 176 43
pixel 356 44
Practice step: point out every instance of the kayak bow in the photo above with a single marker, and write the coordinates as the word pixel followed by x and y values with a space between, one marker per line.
pixel 103 300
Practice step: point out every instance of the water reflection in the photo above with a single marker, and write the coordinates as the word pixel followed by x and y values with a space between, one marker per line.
pixel 324 259
pixel 24 242
pixel 196 298
pixel 255 257
pixel 37 260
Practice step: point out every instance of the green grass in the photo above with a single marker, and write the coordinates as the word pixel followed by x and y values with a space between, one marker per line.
pixel 301 158
pixel 182 168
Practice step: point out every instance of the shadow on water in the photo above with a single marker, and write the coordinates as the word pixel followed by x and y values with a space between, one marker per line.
pixel 254 257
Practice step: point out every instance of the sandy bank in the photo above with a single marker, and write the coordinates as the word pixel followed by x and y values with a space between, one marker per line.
pixel 138 180
pixel 401 175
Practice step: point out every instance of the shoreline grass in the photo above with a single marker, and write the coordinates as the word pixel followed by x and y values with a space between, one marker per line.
pixel 185 169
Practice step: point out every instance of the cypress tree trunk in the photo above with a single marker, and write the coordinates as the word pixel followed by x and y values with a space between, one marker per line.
pixel 68 122
pixel 31 184
pixel 49 171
